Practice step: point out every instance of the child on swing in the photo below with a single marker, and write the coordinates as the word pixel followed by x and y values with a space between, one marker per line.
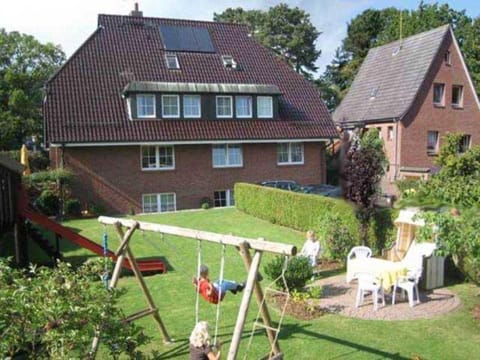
pixel 212 292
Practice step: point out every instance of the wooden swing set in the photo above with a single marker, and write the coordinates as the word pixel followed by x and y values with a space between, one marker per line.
pixel 252 285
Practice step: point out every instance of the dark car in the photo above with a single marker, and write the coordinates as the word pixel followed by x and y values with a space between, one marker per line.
pixel 283 184
pixel 323 189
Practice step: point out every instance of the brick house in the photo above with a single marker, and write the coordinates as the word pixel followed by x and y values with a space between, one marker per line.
pixel 156 114
pixel 414 91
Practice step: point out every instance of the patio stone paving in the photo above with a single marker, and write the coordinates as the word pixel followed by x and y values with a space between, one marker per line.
pixel 339 297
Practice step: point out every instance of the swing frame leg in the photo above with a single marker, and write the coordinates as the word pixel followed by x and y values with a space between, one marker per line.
pixel 259 296
pixel 242 312
pixel 123 252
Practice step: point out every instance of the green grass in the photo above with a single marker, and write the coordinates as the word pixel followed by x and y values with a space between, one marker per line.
pixel 451 336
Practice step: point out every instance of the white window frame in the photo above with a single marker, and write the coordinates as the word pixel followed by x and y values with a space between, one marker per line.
pixel 448 57
pixel 154 115
pixel 178 106
pixel 199 107
pixel 390 133
pixel 157 158
pixel 231 106
pixel 250 109
pixel 227 162
pixel 174 56
pixel 468 146
pixel 460 103
pixel 442 101
pixel 159 202
pixel 290 162
pixel 229 197
pixel 270 115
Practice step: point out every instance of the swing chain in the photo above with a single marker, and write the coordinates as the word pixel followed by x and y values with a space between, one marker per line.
pixel 106 272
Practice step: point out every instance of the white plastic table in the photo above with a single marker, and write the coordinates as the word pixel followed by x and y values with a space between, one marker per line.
pixel 387 271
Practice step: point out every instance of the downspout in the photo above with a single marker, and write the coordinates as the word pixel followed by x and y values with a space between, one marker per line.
pixel 395 173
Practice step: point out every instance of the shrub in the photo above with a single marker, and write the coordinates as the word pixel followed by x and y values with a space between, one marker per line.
pixel 337 237
pixel 298 272
pixel 72 207
pixel 44 178
pixel 48 203
pixel 206 203
pixel 38 161
pixel 96 209
pixel 53 313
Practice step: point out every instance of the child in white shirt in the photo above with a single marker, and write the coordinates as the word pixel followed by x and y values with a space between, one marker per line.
pixel 311 248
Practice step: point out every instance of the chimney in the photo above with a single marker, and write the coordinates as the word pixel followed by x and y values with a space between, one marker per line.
pixel 136 12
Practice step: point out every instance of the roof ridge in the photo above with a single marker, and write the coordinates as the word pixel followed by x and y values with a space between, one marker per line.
pixel 446 26
pixel 173 19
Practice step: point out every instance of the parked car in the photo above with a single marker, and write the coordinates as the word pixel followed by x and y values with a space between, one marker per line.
pixel 323 189
pixel 283 184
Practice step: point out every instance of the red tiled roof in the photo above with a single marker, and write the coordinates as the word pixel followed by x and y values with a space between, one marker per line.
pixel 84 102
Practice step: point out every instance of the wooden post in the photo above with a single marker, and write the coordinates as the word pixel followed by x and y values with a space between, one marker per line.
pixel 247 260
pixel 148 296
pixel 242 312
pixel 124 239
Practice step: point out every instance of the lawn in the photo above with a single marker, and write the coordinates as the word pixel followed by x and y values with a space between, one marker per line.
pixel 452 336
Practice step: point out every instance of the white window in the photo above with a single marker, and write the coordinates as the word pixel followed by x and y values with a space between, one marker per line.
pixel 145 106
pixel 289 153
pixel 172 62
pixel 224 107
pixel 192 106
pixel 223 198
pixel 229 62
pixel 227 155
pixel 264 107
pixel 438 94
pixel 243 106
pixel 170 106
pixel 158 158
pixel 152 203
pixel 390 133
pixel 465 143
pixel 457 95
pixel 432 142
pixel 448 58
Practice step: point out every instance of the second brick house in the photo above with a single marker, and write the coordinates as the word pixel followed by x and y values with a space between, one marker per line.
pixel 156 114
pixel 414 91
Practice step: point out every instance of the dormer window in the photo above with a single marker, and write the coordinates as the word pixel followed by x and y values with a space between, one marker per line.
pixel 146 106
pixel 265 107
pixel 229 62
pixel 373 93
pixel 172 61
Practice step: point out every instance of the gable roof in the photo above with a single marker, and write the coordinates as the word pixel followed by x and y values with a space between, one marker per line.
pixel 393 79
pixel 84 98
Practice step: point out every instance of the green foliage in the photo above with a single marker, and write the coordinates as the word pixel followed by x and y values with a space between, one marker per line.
pixel 72 207
pixel 287 31
pixel 25 65
pixel 336 236
pixel 48 203
pixel 375 27
pixel 206 203
pixel 458 236
pixel 38 161
pixel 96 209
pixel 53 313
pixel 45 179
pixel 298 272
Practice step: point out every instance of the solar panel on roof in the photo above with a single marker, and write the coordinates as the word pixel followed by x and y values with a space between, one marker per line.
pixel 186 38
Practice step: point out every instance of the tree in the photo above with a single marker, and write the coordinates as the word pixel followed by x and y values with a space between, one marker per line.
pixel 364 166
pixel 378 27
pixel 25 65
pixel 287 31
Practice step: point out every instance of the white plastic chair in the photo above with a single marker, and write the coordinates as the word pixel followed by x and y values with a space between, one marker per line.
pixel 408 283
pixel 369 283
pixel 360 252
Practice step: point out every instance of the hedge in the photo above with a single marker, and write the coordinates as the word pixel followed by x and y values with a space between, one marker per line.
pixel 308 212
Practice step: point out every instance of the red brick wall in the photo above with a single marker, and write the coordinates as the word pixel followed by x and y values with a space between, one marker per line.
pixel 113 176
pixel 425 116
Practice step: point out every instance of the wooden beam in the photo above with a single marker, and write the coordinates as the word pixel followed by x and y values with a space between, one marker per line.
pixel 124 239
pixel 256 244
pixel 139 315
pixel 262 306
pixel 243 310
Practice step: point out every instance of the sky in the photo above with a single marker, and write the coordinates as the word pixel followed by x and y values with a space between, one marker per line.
pixel 68 23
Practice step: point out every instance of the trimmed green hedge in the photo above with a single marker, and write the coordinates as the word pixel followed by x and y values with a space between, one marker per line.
pixel 311 212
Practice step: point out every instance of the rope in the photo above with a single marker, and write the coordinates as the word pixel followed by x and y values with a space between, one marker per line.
pixel 105 275
pixel 199 263
pixel 222 269
pixel 282 314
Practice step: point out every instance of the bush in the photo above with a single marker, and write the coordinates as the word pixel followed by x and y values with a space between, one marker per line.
pixel 96 209
pixel 336 236
pixel 298 272
pixel 206 203
pixel 48 203
pixel 72 207
pixel 44 178
pixel 38 161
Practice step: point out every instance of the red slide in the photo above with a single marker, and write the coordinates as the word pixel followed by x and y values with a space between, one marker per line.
pixel 67 234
